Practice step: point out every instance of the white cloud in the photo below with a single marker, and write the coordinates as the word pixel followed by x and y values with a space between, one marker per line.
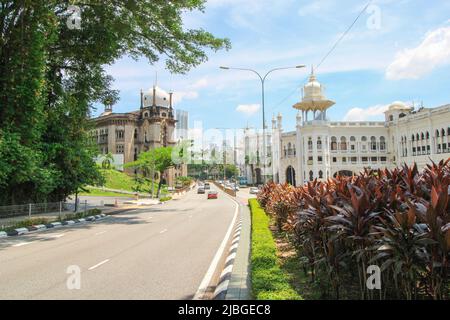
pixel 414 63
pixel 315 7
pixel 178 96
pixel 248 109
pixel 371 113
pixel 201 83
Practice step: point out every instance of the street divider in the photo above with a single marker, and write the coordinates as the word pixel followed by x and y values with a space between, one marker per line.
pixel 226 190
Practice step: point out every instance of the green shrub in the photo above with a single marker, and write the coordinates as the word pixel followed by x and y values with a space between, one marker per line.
pixel 397 219
pixel 26 223
pixel 269 282
pixel 164 199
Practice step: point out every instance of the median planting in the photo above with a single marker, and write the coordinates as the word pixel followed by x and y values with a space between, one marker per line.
pixel 269 282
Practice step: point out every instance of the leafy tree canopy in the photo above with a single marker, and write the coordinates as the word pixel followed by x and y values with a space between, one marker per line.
pixel 51 75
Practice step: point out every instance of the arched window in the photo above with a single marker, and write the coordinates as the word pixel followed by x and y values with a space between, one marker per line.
pixel 417 137
pixel 290 176
pixel 333 143
pixel 320 174
pixel 391 118
pixel 343 143
pixel 311 176
pixel 352 143
pixel 310 144
pixel 382 143
pixel 412 137
pixel 373 143
pixel 135 133
pixel 319 144
pixel 364 139
pixel 437 133
pixel 146 115
pixel 443 132
pixel 422 136
pixel 428 135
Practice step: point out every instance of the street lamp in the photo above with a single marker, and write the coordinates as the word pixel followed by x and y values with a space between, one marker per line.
pixel 263 80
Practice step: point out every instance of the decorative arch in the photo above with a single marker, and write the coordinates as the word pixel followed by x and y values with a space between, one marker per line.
pixel 290 176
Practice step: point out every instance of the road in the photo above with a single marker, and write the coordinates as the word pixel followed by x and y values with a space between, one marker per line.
pixel 162 252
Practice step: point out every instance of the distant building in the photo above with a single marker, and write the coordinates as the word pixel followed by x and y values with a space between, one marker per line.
pixel 254 169
pixel 125 135
pixel 181 125
pixel 321 149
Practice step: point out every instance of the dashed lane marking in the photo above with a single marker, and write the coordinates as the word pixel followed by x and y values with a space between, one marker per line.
pixel 98 264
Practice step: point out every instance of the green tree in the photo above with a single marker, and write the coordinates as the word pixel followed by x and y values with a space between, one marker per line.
pixel 145 167
pixel 51 76
pixel 155 160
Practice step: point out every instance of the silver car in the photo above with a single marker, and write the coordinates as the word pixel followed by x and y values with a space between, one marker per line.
pixel 254 190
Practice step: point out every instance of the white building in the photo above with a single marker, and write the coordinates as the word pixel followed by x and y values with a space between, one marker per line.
pixel 321 149
pixel 254 169
pixel 182 124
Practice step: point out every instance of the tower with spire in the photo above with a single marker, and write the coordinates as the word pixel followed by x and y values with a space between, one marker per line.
pixel 313 99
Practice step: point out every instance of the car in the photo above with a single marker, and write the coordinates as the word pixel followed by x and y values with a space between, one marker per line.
pixel 212 194
pixel 254 190
pixel 207 186
pixel 201 190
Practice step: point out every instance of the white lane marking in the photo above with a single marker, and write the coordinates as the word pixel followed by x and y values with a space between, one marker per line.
pixel 59 235
pixel 20 244
pixel 214 264
pixel 98 264
pixel 99 233
pixel 162 231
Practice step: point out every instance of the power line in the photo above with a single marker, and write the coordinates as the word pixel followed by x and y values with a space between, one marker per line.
pixel 344 34
pixel 327 54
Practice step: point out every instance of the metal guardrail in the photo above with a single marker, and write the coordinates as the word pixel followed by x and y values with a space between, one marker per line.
pixel 32 209
pixel 13 214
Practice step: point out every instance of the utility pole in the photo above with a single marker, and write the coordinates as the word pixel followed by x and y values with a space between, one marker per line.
pixel 263 80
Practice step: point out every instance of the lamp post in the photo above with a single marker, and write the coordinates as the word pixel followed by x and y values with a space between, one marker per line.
pixel 263 80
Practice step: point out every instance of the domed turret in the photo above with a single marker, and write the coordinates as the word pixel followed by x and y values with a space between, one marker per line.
pixel 313 96
pixel 396 110
pixel 156 97
pixel 398 105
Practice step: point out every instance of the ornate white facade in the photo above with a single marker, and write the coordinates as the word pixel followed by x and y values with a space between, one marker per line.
pixel 321 149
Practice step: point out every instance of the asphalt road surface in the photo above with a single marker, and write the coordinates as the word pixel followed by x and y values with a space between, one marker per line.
pixel 162 252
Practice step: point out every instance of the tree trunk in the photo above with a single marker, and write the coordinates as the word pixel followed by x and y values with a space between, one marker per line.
pixel 159 184
pixel 76 201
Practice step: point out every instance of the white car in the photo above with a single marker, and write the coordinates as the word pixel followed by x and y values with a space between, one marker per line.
pixel 254 190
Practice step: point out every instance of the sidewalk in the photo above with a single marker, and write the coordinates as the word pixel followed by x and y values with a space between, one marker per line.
pixel 239 287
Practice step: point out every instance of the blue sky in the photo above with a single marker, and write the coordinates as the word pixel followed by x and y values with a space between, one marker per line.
pixel 398 50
